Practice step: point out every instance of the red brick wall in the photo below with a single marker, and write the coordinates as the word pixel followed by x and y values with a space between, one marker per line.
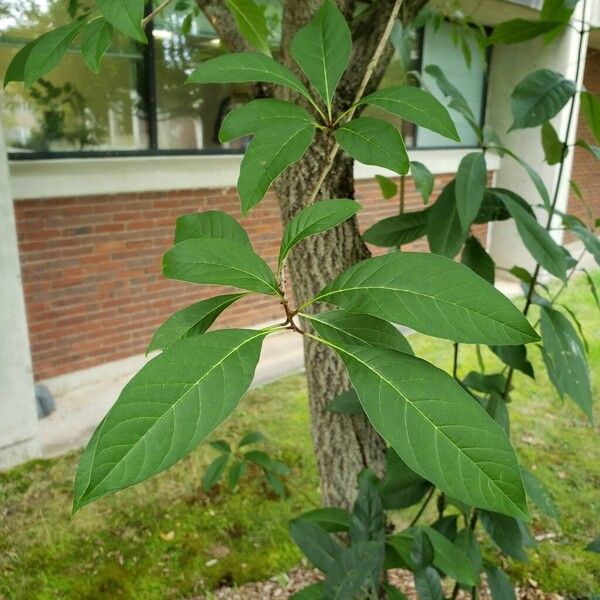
pixel 586 168
pixel 92 268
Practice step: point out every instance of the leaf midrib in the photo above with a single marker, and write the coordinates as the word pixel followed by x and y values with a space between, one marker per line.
pixel 420 294
pixel 338 349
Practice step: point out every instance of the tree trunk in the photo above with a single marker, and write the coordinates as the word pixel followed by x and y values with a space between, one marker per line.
pixel 344 445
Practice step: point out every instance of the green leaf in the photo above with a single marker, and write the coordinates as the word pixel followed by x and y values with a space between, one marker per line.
pixel 331 519
pixel 592 285
pixel 450 91
pixel 125 16
pixel 445 233
pixel 553 147
pixel 557 10
pixel 96 39
pixel 16 67
pixel 354 571
pixel 397 230
pixel 275 484
pixel 236 473
pixel 471 181
pixel 318 546
pixel 167 409
pixel 214 472
pixel 322 49
pixel 466 540
pixel 540 96
pixel 342 327
pixel 486 383
pixel 500 586
pixel 589 239
pixel 421 549
pixel 261 114
pixel 388 187
pixel 450 559
pixel 367 523
pixel 393 593
pixel 252 437
pixel 191 321
pixel 346 403
pixel 520 30
pixel 423 179
pixel 315 591
pixel 478 260
pixel 250 19
pixel 262 459
pixel 374 142
pixel 447 526
pixel 211 260
pixel 565 360
pixel 270 152
pixel 314 219
pixel 48 50
pixel 590 106
pixel 515 357
pixel 246 67
pixel 593 150
pixel 431 294
pixel 428 584
pixel 211 224
pixel 402 487
pixel 538 182
pixel 416 106
pixel 506 533
pixel 537 240
pixel 221 446
pixel 444 431
pixel 538 493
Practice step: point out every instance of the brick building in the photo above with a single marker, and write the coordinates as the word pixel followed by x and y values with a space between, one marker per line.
pixel 91 223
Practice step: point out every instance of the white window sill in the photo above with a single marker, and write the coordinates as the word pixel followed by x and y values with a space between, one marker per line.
pixel 86 176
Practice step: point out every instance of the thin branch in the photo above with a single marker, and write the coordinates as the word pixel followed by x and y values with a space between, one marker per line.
pixel 423 507
pixel 359 94
pixel 155 12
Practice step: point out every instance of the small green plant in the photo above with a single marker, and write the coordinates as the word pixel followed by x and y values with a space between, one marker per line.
pixel 239 459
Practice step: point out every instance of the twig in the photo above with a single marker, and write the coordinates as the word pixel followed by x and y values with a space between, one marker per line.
pixel 359 94
pixel 155 12
pixel 423 507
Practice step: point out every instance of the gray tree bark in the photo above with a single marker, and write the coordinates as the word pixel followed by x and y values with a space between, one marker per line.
pixel 344 445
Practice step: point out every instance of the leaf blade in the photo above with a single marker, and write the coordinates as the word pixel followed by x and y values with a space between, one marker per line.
pixel 374 142
pixel 431 294
pixel 136 439
pixel 315 219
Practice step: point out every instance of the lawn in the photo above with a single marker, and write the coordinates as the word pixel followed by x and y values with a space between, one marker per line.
pixel 167 539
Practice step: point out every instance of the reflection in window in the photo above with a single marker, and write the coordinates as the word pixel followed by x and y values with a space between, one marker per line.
pixel 189 117
pixel 71 108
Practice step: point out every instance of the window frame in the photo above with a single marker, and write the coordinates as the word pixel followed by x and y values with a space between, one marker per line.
pixel 150 96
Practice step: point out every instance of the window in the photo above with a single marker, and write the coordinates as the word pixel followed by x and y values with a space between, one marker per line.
pixel 71 109
pixel 139 103
pixel 439 49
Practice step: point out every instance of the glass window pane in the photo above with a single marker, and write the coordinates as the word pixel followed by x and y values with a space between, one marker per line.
pixel 189 116
pixel 439 49
pixel 71 108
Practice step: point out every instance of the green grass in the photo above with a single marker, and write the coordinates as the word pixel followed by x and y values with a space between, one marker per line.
pixel 155 540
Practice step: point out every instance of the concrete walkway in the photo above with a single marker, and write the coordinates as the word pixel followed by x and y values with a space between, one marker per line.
pixel 83 398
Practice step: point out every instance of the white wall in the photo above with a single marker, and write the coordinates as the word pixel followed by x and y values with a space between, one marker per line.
pixel 18 417
pixel 509 65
